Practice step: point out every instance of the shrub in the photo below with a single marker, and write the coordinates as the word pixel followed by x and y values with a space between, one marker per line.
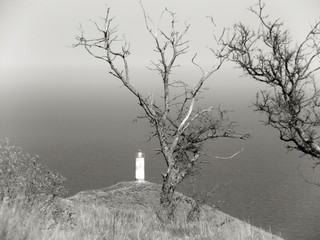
pixel 22 174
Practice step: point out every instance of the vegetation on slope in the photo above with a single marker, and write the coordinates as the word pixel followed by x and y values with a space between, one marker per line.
pixel 124 211
pixel 22 174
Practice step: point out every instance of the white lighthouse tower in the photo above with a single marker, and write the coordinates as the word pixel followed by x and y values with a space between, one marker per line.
pixel 140 167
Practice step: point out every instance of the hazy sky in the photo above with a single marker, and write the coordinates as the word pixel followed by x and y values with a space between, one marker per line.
pixel 37 32
pixel 41 74
pixel 45 83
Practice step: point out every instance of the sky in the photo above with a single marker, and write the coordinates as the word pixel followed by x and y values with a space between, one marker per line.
pixel 36 38
pixel 37 33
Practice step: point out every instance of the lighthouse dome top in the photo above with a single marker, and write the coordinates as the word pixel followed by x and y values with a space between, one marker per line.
pixel 140 154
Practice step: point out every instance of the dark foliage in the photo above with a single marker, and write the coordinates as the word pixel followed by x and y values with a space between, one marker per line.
pixel 23 175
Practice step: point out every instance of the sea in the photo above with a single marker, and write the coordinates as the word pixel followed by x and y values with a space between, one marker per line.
pixel 83 125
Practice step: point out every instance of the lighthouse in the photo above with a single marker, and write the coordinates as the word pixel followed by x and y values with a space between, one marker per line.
pixel 140 166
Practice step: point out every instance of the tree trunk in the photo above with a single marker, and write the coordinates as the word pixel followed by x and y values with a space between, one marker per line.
pixel 166 196
pixel 170 181
pixel 168 189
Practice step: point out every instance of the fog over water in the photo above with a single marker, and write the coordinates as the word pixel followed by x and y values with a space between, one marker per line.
pixel 61 104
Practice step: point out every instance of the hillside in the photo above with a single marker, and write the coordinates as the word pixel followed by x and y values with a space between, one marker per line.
pixel 127 210
pixel 142 199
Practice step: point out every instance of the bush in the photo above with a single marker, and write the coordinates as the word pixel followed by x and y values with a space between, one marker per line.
pixel 22 174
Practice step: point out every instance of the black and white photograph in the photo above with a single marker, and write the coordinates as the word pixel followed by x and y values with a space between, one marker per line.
pixel 148 119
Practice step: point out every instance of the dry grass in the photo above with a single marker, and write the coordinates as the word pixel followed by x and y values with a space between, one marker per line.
pixel 96 221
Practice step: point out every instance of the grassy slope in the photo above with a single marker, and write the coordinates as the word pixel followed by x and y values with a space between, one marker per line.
pixel 127 210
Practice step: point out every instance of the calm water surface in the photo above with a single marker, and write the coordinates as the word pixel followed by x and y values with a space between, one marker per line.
pixel 82 127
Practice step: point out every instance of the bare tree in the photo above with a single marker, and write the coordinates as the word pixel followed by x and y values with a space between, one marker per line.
pixel 180 127
pixel 269 55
